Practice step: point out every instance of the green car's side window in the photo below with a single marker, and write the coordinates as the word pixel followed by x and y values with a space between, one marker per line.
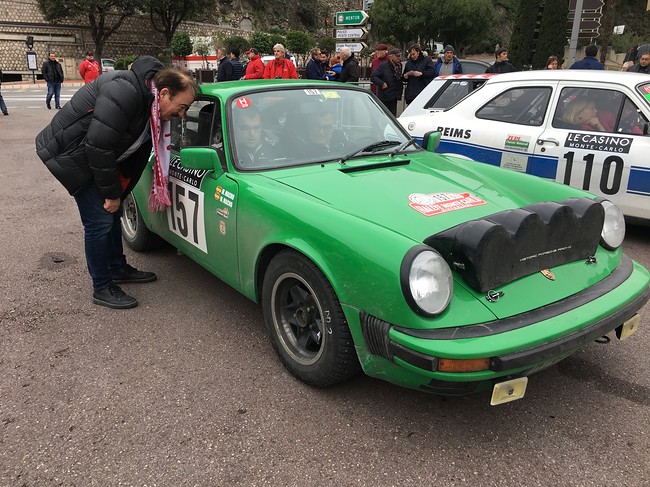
pixel 201 126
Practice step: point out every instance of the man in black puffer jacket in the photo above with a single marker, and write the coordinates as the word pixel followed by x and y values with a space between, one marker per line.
pixel 388 78
pixel 98 145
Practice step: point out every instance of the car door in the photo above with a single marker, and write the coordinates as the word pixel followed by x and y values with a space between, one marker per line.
pixel 201 220
pixel 606 157
pixel 504 128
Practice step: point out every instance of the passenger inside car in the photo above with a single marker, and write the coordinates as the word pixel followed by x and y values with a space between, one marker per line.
pixel 582 114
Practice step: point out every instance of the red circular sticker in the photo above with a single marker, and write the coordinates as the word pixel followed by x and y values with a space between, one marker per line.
pixel 243 102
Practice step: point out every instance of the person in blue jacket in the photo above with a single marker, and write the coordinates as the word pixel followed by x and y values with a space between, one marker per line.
pixel 449 63
pixel 314 69
pixel 589 61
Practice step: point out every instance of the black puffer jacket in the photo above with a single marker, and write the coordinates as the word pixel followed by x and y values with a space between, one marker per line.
pixel 392 76
pixel 103 119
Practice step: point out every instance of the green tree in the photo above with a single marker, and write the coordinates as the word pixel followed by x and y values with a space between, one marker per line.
pixel 236 42
pixel 181 44
pixel 167 15
pixel 552 33
pixel 327 43
pixel 262 42
pixel 299 43
pixel 456 22
pixel 397 22
pixel 522 43
pixel 104 16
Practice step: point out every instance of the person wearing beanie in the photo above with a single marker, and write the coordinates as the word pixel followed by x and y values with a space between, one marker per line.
pixel 89 68
pixel 380 56
pixel 501 65
pixel 448 63
pixel 255 66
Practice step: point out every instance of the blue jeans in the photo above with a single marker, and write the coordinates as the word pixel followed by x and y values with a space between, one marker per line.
pixel 3 107
pixel 54 88
pixel 102 237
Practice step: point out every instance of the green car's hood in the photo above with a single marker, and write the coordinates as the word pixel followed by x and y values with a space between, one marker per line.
pixel 408 195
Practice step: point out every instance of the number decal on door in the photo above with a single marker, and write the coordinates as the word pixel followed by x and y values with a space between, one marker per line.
pixel 611 165
pixel 185 215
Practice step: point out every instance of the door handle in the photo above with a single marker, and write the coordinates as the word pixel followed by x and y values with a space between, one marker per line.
pixel 550 141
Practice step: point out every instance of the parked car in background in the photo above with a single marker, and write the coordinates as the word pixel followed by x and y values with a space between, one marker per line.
pixel 367 252
pixel 528 122
pixel 474 66
pixel 107 65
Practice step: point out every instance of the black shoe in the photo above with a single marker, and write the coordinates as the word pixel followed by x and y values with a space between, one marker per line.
pixel 131 274
pixel 49 107
pixel 114 297
pixel 6 113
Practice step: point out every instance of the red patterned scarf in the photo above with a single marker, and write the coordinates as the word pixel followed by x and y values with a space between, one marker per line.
pixel 161 140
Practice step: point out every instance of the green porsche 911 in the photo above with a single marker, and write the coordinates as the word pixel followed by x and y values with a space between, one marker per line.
pixel 370 253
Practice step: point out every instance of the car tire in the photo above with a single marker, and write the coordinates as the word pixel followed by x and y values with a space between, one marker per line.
pixel 134 231
pixel 307 326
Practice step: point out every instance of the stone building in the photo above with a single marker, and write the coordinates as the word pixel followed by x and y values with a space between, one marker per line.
pixel 69 41
pixel 22 18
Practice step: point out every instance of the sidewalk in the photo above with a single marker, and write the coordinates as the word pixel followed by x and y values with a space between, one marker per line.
pixel 25 85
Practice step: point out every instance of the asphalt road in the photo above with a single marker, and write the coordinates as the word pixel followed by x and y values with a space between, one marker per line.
pixel 185 390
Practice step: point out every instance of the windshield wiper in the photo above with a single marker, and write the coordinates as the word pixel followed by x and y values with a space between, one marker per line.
pixel 375 146
pixel 403 146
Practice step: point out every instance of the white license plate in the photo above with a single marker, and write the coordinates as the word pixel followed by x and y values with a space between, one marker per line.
pixel 629 327
pixel 508 391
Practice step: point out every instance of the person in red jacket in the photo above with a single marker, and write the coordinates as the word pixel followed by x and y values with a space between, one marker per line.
pixel 280 67
pixel 255 67
pixel 89 68
pixel 380 56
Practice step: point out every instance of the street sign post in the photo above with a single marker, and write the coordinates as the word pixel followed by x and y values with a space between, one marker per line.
pixel 351 17
pixel 359 33
pixel 354 46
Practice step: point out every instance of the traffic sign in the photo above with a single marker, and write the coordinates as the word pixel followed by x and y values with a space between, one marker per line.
pixel 354 46
pixel 351 17
pixel 359 33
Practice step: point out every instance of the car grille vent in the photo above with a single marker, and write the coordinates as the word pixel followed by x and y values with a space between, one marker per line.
pixel 375 333
pixel 379 165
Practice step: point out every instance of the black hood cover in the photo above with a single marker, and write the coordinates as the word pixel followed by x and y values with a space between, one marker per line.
pixel 500 248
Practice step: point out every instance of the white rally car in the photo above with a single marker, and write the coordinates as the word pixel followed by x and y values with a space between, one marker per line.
pixel 588 129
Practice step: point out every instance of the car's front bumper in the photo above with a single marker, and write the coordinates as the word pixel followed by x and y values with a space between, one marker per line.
pixel 516 346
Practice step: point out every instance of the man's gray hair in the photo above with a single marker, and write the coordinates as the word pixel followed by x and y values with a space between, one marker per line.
pixel 346 52
pixel 279 46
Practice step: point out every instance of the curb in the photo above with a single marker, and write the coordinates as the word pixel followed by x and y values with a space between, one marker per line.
pixel 26 85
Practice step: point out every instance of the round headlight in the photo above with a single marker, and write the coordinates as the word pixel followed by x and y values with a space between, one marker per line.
pixel 613 227
pixel 426 281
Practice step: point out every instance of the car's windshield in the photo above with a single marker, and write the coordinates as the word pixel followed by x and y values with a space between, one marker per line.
pixel 290 127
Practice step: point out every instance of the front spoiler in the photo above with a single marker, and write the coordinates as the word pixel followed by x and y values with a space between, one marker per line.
pixel 376 332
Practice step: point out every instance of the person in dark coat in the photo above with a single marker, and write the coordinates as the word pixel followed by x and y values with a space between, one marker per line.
pixel 350 69
pixel 418 73
pixel 643 66
pixel 224 71
pixel 53 75
pixel 237 67
pixel 98 145
pixel 314 68
pixel 501 65
pixel 3 106
pixel 388 78
pixel 589 61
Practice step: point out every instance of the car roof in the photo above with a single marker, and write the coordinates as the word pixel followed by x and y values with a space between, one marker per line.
pixel 620 77
pixel 225 89
pixel 467 76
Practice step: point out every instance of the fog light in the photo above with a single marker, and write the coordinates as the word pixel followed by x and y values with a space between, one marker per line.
pixel 463 365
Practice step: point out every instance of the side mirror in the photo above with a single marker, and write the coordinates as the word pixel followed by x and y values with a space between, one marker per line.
pixel 431 141
pixel 646 127
pixel 201 158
